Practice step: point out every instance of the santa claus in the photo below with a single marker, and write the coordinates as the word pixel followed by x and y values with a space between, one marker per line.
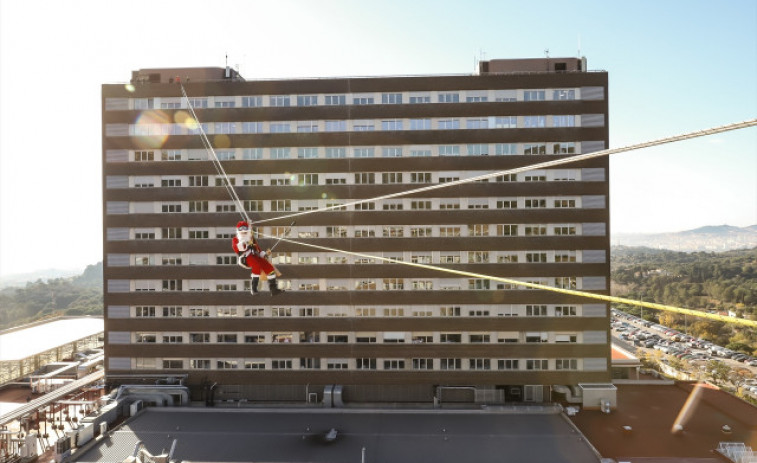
pixel 253 258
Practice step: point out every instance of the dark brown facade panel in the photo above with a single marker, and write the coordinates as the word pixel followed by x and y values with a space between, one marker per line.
pixel 365 377
pixel 354 324
pixel 362 298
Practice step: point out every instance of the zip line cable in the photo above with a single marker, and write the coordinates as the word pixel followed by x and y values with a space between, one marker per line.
pixel 572 292
pixel 690 135
pixel 216 162
pixel 541 165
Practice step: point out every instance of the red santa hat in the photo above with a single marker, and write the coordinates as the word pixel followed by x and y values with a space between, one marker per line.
pixel 243 225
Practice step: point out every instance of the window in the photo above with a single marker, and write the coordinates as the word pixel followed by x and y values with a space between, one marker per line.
pixel 391 152
pixel 307 153
pixel 420 205
pixel 170 182
pixel 449 232
pixel 479 123
pixel 534 203
pixel 507 364
pixel 393 284
pixel 476 99
pixel 565 282
pixel 279 100
pixel 450 364
pixel 420 177
pixel 365 285
pixel 199 312
pixel 564 148
pixel 336 126
pixel 280 127
pixel 448 203
pixel 173 364
pixel 420 232
pixel 171 233
pixel 535 230
pixel 565 230
pixel 391 177
pixel 535 178
pixel 365 233
pixel 362 100
pixel 393 232
pixel 365 178
pixel 172 311
pixel 565 311
pixel 392 205
pixel 422 285
pixel 534 95
pixel 230 338
pixel 393 124
pixel 536 310
pixel 254 205
pixel 198 234
pixel 507 204
pixel 336 153
pixel 449 150
pixel 281 205
pixel 510 258
pixel 420 124
pixel 449 258
pixel 171 285
pixel 420 153
pixel 202 338
pixel 394 364
pixel 563 121
pixel 363 126
pixel 566 364
pixel 307 100
pixel 538 148
pixel 536 257
pixel 479 338
pixel 336 232
pixel 252 101
pixel 540 364
pixel 478 257
pixel 532 122
pixel 145 311
pixel 449 124
pixel 478 150
pixel 335 100
pixel 254 364
pixel 478 230
pixel 423 364
pixel 506 122
pixel 563 94
pixel 478 284
pixel 362 152
pixel 391 98
pixel 144 156
pixel 198 180
pixel 281 364
pixel 480 364
pixel 307 126
pixel 449 98
pixel 225 127
pixel 365 364
pixel 173 339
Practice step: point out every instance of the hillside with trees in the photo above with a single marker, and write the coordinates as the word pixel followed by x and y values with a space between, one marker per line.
pixel 723 282
pixel 80 295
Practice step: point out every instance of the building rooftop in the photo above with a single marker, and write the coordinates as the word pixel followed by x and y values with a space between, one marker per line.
pixel 17 344
pixel 397 436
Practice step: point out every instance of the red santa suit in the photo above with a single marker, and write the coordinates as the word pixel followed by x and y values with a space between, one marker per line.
pixel 253 258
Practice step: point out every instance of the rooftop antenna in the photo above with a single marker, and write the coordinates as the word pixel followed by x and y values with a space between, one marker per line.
pixel 546 53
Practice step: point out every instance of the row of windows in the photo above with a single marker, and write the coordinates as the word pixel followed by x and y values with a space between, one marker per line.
pixel 341 99
pixel 288 205
pixel 143 128
pixel 357 364
pixel 366 284
pixel 346 178
pixel 339 152
pixel 426 257
pixel 366 231
pixel 357 337
pixel 510 310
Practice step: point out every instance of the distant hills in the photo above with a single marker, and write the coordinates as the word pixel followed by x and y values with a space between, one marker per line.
pixel 710 238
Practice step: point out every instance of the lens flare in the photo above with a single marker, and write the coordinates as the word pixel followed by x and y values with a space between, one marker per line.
pixel 687 409
pixel 222 141
pixel 129 88
pixel 152 128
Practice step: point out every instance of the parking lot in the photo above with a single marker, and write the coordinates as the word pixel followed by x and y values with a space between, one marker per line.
pixel 649 337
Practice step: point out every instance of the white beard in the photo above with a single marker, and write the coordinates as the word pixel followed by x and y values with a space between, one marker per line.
pixel 244 235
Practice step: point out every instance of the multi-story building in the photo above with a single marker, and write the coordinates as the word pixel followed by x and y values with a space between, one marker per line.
pixel 178 304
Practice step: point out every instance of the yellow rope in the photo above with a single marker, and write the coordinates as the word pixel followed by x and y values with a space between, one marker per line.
pixel 572 292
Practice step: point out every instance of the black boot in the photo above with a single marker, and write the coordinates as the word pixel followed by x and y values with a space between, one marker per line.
pixel 254 285
pixel 274 287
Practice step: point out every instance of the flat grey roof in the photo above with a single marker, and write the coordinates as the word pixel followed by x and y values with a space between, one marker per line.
pixel 396 436
pixel 23 343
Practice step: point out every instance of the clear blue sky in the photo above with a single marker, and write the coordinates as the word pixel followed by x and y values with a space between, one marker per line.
pixel 675 66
